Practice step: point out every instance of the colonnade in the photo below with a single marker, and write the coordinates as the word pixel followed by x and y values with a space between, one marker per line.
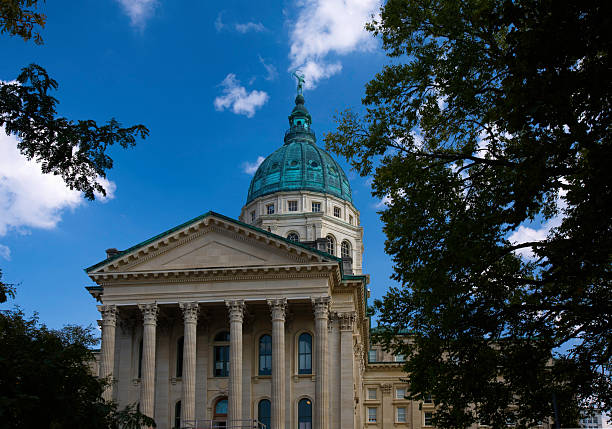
pixel 236 311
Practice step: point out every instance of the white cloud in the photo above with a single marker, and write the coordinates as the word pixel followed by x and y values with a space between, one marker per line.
pixel 29 198
pixel 5 252
pixel 236 98
pixel 526 233
pixel 251 167
pixel 384 202
pixel 256 27
pixel 219 25
pixel 139 11
pixel 270 69
pixel 325 27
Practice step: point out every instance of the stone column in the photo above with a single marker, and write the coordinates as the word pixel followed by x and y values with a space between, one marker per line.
pixel 277 308
pixel 321 311
pixel 347 394
pixel 147 385
pixel 190 316
pixel 107 363
pixel 236 315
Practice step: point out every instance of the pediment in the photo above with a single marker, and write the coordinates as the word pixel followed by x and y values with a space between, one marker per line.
pixel 213 249
pixel 209 243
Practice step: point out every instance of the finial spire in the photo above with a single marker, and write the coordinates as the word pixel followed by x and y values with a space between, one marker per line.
pixel 300 78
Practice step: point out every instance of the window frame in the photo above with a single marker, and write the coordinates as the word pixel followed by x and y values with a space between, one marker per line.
pixel 304 419
pixel 317 204
pixel 330 245
pixel 345 244
pixel 297 236
pixel 268 356
pixel 397 414
pixel 252 215
pixel 269 417
pixel 292 204
pixel 270 209
pixel 370 390
pixel 222 346
pixel 425 418
pixel 177 414
pixel 375 415
pixel 397 395
pixel 370 352
pixel 337 212
pixel 305 370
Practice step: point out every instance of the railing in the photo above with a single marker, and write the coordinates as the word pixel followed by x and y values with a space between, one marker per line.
pixel 296 130
pixel 220 424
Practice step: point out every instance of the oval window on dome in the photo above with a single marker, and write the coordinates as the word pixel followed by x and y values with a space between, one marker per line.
pixel 275 166
pixel 294 163
pixel 314 164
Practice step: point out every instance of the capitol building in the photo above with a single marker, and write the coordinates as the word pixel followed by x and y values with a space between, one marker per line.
pixel 255 322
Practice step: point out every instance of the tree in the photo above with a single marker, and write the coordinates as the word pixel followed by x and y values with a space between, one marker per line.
pixel 75 150
pixel 493 117
pixel 46 381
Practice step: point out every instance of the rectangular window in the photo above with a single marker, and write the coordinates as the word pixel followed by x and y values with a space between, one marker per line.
pixel 337 211
pixel 221 361
pixel 399 358
pixel 292 206
pixel 428 419
pixel 401 415
pixel 372 355
pixel 316 207
pixel 400 393
pixel 371 393
pixel 253 216
pixel 371 415
pixel 270 208
pixel 351 219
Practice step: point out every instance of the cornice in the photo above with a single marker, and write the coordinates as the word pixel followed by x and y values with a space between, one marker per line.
pixel 219 274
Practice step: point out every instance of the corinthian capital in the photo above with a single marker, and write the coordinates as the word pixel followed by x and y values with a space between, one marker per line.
pixel 346 319
pixel 190 311
pixel 109 314
pixel 149 313
pixel 321 306
pixel 235 308
pixel 278 306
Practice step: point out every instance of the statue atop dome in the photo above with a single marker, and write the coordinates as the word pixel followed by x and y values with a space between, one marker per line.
pixel 300 78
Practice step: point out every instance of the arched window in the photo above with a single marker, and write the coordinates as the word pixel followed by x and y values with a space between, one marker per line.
pixel 345 250
pixel 221 354
pixel 305 354
pixel 331 245
pixel 177 415
pixel 179 356
pixel 140 359
pixel 305 414
pixel 220 415
pixel 264 412
pixel 293 236
pixel 265 355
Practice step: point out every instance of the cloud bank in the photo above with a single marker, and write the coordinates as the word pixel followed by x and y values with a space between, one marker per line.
pixel 29 198
pixel 236 98
pixel 326 27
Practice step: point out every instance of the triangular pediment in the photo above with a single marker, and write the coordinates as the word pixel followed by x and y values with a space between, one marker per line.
pixel 209 242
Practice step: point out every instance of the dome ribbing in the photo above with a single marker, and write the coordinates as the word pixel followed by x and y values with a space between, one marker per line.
pixel 300 164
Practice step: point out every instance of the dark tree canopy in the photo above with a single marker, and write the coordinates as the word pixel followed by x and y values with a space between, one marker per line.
pixel 20 18
pixel 75 150
pixel 46 381
pixel 493 114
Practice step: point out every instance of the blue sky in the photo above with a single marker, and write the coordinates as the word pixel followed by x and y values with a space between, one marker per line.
pixel 211 81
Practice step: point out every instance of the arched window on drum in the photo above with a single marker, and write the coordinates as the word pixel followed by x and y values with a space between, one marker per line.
pixel 293 236
pixel 331 245
pixel 345 249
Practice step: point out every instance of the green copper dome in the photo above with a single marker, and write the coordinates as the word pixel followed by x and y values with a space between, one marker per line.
pixel 299 164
